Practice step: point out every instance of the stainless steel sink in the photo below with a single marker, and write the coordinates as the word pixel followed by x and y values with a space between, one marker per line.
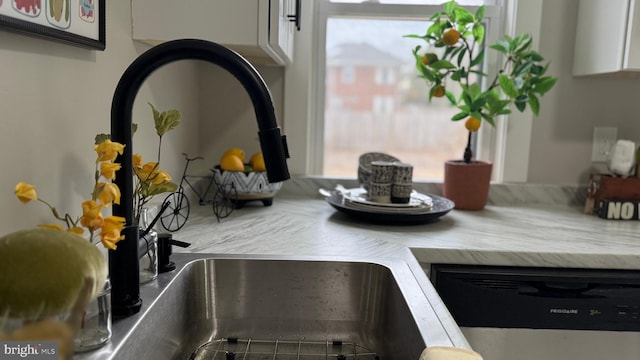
pixel 265 308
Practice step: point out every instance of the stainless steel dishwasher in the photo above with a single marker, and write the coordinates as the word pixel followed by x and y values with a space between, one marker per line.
pixel 509 313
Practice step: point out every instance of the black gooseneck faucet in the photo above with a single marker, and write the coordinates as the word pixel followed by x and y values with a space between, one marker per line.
pixel 123 262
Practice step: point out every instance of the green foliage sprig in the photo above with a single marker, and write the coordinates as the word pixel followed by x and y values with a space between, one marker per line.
pixel 459 34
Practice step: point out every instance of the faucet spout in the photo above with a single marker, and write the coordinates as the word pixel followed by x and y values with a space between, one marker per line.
pixel 123 262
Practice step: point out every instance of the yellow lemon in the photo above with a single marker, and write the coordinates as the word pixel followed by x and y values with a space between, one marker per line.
pixel 257 162
pixel 235 151
pixel 231 162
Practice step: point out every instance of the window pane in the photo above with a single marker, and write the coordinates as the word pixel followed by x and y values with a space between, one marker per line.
pixel 375 100
pixel 418 2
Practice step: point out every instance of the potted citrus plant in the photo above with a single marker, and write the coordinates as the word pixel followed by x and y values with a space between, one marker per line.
pixel 452 59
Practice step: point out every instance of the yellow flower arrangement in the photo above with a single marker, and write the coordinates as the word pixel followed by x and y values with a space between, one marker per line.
pixel 149 179
pixel 103 195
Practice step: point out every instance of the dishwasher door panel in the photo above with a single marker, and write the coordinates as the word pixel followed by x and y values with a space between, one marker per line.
pixel 536 344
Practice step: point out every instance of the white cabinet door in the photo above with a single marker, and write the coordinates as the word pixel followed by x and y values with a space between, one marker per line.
pixel 278 40
pixel 257 29
pixel 607 37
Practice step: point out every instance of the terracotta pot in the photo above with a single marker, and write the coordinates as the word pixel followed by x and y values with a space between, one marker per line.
pixel 467 184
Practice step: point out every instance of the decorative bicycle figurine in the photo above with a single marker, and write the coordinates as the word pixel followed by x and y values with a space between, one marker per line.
pixel 178 206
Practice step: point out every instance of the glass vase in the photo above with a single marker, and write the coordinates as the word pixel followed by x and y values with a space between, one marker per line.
pixel 148 252
pixel 95 328
pixel 147 248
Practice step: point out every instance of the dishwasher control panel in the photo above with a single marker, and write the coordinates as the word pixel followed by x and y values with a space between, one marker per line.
pixel 540 298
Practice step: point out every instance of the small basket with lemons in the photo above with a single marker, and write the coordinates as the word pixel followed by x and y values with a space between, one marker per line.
pixel 248 180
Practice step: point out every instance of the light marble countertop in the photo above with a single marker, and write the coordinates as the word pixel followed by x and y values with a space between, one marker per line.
pixel 543 227
pixel 522 226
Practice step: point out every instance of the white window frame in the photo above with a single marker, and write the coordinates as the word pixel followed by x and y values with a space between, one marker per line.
pixel 327 9
pixel 508 145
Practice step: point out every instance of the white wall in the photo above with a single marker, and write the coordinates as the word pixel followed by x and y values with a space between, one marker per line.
pixel 562 134
pixel 54 98
pixel 227 117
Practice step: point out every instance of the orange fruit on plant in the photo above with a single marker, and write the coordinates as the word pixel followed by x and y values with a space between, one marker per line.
pixel 450 37
pixel 429 58
pixel 472 124
pixel 257 162
pixel 231 162
pixel 439 91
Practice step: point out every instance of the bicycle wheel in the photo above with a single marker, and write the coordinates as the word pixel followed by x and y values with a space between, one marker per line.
pixel 177 212
pixel 224 201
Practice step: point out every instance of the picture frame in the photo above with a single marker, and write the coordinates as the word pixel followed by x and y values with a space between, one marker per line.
pixel 73 22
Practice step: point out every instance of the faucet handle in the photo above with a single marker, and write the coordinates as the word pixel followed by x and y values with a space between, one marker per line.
pixel 165 242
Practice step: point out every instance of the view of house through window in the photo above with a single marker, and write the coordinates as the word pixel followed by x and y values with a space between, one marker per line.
pixel 375 101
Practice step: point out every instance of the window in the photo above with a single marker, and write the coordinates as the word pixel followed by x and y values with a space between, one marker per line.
pixel 373 97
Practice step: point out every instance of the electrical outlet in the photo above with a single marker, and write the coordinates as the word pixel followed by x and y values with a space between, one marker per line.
pixel 604 137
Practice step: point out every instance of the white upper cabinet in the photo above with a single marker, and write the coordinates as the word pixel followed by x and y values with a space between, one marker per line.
pixel 260 30
pixel 607 37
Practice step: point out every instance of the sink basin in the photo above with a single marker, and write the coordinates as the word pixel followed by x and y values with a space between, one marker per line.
pixel 266 308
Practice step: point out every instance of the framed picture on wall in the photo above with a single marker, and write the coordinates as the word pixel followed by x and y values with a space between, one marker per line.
pixel 74 22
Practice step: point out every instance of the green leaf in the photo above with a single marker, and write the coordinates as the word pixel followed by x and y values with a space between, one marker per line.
pixel 155 189
pixel 435 28
pixel 480 73
pixel 476 114
pixel 442 64
pixel 478 103
pixel 521 105
pixel 166 120
pixel 480 13
pixel 461 56
pixel 474 90
pixel 507 86
pixel 466 98
pixel 534 103
pixel 100 138
pixel 459 116
pixel 488 119
pixel 522 43
pixel 478 32
pixel 463 16
pixel 533 55
pixel 451 97
pixel 435 16
pixel 452 51
pixel 427 74
pixel 478 58
pixel 544 84
pixel 502 46
pixel 522 68
pixel 450 8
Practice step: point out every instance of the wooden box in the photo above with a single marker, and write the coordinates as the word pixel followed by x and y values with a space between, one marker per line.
pixel 607 187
